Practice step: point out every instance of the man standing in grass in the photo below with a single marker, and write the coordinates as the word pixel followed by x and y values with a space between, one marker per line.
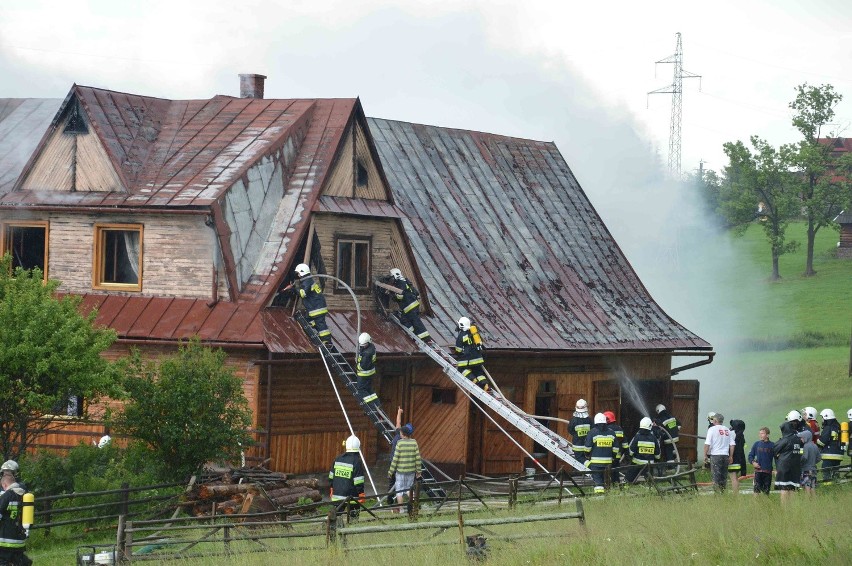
pixel 760 456
pixel 719 448
pixel 406 462
pixel 788 454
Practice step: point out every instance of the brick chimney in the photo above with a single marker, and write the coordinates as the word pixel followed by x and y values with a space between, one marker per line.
pixel 251 86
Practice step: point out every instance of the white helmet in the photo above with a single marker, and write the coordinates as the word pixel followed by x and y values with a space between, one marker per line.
pixel 827 414
pixel 809 413
pixel 396 274
pixel 646 423
pixel 364 339
pixel 302 269
pixel 711 415
pixel 353 444
pixel 9 466
pixel 660 408
pixel 849 414
pixel 600 418
pixel 793 416
pixel 464 323
pixel 581 409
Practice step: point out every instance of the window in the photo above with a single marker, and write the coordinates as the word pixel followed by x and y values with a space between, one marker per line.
pixel 443 396
pixel 353 262
pixel 26 242
pixel 69 406
pixel 118 257
pixel 362 178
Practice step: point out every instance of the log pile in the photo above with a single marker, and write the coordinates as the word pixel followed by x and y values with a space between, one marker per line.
pixel 248 490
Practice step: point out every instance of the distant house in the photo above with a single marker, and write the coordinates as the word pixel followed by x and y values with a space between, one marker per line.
pixel 839 147
pixel 177 218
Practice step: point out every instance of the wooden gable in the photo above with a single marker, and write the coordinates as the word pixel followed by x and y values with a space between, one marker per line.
pixel 356 173
pixel 71 157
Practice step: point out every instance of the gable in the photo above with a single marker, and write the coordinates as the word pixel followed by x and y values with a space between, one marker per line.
pixel 72 158
pixel 355 173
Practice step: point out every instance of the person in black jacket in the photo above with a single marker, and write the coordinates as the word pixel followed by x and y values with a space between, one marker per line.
pixel 788 457
pixel 409 305
pixel 314 302
pixel 829 443
pixel 347 473
pixel 13 537
pixel 643 449
pixel 738 467
pixel 365 369
pixel 470 360
pixel 601 451
pixel 670 432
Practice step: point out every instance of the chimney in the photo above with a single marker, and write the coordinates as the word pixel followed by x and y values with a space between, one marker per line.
pixel 251 86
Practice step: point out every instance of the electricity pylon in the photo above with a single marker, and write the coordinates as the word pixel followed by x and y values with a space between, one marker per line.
pixel 676 90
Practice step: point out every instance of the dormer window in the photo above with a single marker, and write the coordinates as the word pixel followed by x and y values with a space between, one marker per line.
pixel 76 124
pixel 118 257
pixel 362 177
pixel 353 262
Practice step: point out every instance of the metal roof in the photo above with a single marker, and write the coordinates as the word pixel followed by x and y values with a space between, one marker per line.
pixel 22 124
pixel 503 233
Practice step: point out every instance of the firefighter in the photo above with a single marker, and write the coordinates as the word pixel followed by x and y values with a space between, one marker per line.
pixel 347 473
pixel 829 443
pixel 469 357
pixel 314 301
pixel 13 537
pixel 670 434
pixel 809 415
pixel 409 305
pixel 737 468
pixel 601 451
pixel 621 443
pixel 844 435
pixel 578 427
pixel 643 449
pixel 365 369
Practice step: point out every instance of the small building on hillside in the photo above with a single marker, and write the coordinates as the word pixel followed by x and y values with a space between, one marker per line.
pixel 840 147
pixel 176 218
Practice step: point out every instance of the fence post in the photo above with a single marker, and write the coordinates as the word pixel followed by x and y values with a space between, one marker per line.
pixel 124 498
pixel 414 502
pixel 580 510
pixel 561 487
pixel 226 537
pixel 119 538
pixel 128 541
pixel 513 492
pixel 331 526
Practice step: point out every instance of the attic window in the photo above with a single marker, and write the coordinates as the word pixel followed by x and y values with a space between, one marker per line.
pixel 362 178
pixel 353 262
pixel 118 257
pixel 76 124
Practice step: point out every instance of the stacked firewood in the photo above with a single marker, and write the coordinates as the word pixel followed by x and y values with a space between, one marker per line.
pixel 249 490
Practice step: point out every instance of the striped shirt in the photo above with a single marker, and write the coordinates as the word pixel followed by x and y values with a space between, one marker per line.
pixel 406 457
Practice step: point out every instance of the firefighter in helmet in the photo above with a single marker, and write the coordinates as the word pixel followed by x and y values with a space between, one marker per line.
pixel 829 444
pixel 13 536
pixel 578 427
pixel 644 449
pixel 365 369
pixel 470 360
pixel 601 451
pixel 310 291
pixel 347 473
pixel 670 432
pixel 409 304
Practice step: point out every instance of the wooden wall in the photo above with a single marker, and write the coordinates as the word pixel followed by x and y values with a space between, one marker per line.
pixel 341 179
pixel 845 248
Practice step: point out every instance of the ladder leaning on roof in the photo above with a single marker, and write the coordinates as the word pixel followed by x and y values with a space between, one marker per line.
pixel 341 368
pixel 528 425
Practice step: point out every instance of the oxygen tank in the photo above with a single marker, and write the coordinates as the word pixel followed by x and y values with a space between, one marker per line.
pixel 28 513
pixel 474 333
pixel 844 434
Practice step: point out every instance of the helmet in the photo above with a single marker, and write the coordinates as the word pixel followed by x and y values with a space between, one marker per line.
pixel 809 413
pixel 396 274
pixel 353 444
pixel 581 409
pixel 610 416
pixel 710 416
pixel 849 414
pixel 660 408
pixel 827 414
pixel 364 339
pixel 9 466
pixel 302 269
pixel 793 416
pixel 646 423
pixel 600 418
pixel 464 323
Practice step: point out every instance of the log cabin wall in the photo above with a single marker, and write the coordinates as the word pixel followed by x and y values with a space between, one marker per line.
pixel 844 249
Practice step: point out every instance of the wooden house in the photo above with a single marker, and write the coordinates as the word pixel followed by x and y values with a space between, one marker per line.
pixel 177 218
pixel 839 148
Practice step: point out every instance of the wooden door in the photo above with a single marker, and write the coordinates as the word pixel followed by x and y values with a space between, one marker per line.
pixel 685 409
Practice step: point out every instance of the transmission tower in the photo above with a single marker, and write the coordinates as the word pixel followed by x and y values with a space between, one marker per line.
pixel 676 90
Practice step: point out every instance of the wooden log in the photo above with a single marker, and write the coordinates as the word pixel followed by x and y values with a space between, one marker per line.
pixel 306 482
pixel 313 495
pixel 276 493
pixel 226 490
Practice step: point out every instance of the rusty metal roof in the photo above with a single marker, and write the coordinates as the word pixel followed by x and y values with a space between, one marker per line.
pixel 358 207
pixel 503 233
pixel 22 124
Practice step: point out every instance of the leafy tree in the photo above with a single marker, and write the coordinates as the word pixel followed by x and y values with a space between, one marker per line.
pixel 760 187
pixel 708 184
pixel 189 408
pixel 824 192
pixel 48 351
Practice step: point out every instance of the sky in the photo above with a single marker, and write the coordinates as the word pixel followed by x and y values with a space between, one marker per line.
pixel 574 73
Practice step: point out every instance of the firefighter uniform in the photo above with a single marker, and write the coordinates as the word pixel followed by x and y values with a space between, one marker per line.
pixel 314 302
pixel 578 428
pixel 469 359
pixel 365 369
pixel 601 451
pixel 738 466
pixel 671 426
pixel 829 444
pixel 13 538
pixel 347 477
pixel 409 308
pixel 643 449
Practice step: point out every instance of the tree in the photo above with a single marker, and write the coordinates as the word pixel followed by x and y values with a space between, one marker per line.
pixel 49 351
pixel 824 193
pixel 759 186
pixel 189 408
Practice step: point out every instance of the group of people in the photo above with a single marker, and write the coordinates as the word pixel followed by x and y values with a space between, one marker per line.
pixel 793 458
pixel 600 442
pixel 13 535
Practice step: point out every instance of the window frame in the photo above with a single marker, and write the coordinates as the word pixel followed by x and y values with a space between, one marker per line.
pixel 4 229
pixel 342 239
pixel 98 253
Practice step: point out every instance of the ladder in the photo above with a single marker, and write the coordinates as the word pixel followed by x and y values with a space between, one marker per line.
pixel 344 372
pixel 528 425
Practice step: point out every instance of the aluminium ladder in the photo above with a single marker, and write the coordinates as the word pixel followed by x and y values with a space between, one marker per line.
pixel 341 368
pixel 528 425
